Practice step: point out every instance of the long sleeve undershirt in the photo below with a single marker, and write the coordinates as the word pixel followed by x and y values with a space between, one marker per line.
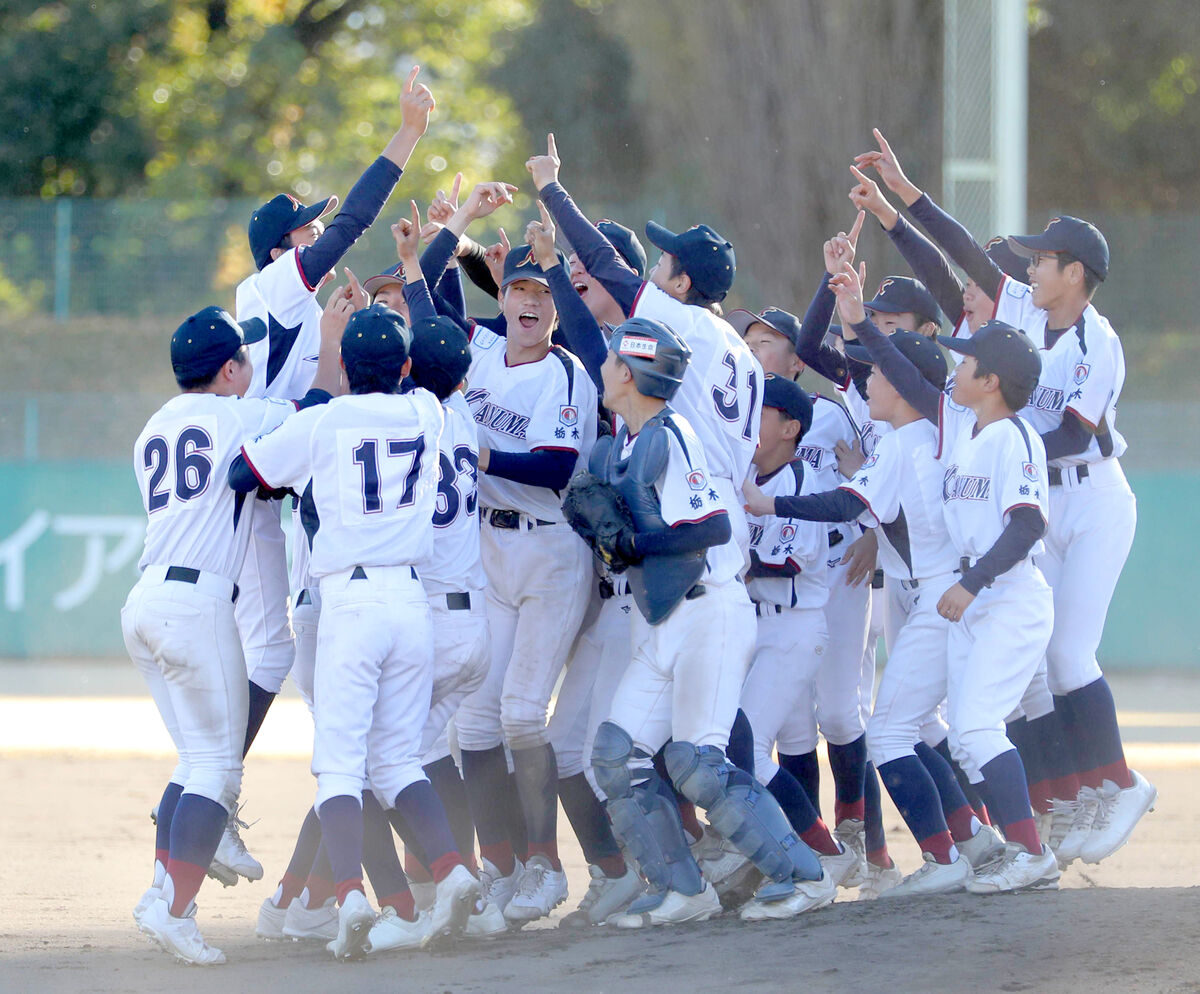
pixel 900 372
pixel 690 536
pixel 1025 526
pixel 832 505
pixel 812 350
pixel 930 267
pixel 549 468
pixel 959 244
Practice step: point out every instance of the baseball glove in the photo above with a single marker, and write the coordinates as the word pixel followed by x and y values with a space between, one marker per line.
pixel 600 517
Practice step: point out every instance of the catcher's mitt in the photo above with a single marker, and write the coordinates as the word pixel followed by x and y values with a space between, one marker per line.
pixel 599 516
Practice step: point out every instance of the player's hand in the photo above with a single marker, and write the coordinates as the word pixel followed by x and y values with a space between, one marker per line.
pixel 354 291
pixel 847 287
pixel 416 104
pixel 485 459
pixel 336 316
pixel 443 207
pixel 887 165
pixel 849 457
pixel 486 199
pixel 540 235
pixel 544 168
pixel 954 602
pixel 757 503
pixel 842 246
pixel 407 233
pixel 866 195
pixel 860 559
pixel 494 256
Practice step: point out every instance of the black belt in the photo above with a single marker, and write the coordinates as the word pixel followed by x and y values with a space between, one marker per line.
pixel 1056 475
pixel 761 608
pixel 361 574
pixel 510 519
pixel 185 574
pixel 835 538
pixel 458 601
pixel 877 580
pixel 699 590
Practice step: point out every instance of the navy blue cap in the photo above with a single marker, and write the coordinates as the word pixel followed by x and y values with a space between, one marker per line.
pixel 902 295
pixel 393 274
pixel 918 349
pixel 378 336
pixel 278 216
pixel 208 339
pixel 791 398
pixel 1012 265
pixel 1073 235
pixel 1003 350
pixel 627 244
pixel 788 325
pixel 704 255
pixel 520 264
pixel 441 355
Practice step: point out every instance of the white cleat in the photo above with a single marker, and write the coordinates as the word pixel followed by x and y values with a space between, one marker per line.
pixel 319 924
pixel 497 888
pixel 852 834
pixel 1117 812
pixel 456 896
pixel 355 919
pixel 139 910
pixel 879 880
pixel 1083 812
pixel 674 909
pixel 270 920
pixel 843 866
pixel 424 894
pixel 982 847
pixel 390 931
pixel 605 896
pixel 179 936
pixel 808 896
pixel 231 860
pixel 540 891
pixel 1017 870
pixel 486 922
pixel 933 878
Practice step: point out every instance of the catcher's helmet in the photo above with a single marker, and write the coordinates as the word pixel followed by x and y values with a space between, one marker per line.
pixel 655 355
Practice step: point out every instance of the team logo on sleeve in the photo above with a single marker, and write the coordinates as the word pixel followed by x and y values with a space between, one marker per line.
pixel 787 533
pixel 638 346
pixel 1081 372
pixel 1029 470
pixel 696 480
pixel 568 415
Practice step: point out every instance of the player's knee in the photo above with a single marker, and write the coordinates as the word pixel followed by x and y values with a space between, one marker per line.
pixel 222 785
pixel 699 772
pixel 888 740
pixel 388 780
pixel 981 746
pixel 523 722
pixel 611 752
pixel 842 725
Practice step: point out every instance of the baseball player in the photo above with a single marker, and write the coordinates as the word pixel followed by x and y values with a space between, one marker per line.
pixel 1093 511
pixel 372 498
pixel 178 620
pixel 691 646
pixel 994 502
pixel 294 253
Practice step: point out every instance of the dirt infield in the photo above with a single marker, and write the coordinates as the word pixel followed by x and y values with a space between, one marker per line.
pixel 77 847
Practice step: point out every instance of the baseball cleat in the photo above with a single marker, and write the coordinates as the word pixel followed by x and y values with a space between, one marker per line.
pixel 1117 812
pixel 842 866
pixel 270 920
pixel 605 896
pixel 1083 813
pixel 1060 816
pixel 486 921
pixel 671 908
pixel 390 931
pixel 933 878
pixel 808 895
pixel 879 880
pixel 457 893
pixel 852 834
pixel 179 936
pixel 540 890
pixel 139 910
pixel 497 888
pixel 231 860
pixel 727 869
pixel 424 894
pixel 354 921
pixel 982 847
pixel 304 923
pixel 1017 870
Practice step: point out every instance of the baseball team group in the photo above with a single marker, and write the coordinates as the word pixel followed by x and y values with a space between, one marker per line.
pixel 600 549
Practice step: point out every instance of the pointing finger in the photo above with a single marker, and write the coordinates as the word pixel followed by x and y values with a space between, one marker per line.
pixel 551 145
pixel 857 227
pixel 412 78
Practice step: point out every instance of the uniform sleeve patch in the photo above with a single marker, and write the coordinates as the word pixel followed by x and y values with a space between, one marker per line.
pixel 787 533
pixel 1029 470
pixel 1081 371
pixel 568 415
pixel 638 346
pixel 696 480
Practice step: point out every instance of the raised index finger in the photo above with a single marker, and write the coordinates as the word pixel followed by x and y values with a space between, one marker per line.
pixel 856 228
pixel 551 145
pixel 412 78
pixel 456 187
pixel 884 147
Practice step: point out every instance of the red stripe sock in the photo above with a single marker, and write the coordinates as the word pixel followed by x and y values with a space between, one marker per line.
pixel 320 890
pixel 1117 772
pixel 416 871
pixel 402 902
pixel 961 824
pixel 186 878
pixel 161 856
pixel 500 855
pixel 818 839
pixel 346 886
pixel 852 809
pixel 1066 788
pixel 1024 832
pixel 1040 795
pixel 547 849
pixel 937 845
pixel 983 815
pixel 880 857
pixel 444 864
pixel 290 887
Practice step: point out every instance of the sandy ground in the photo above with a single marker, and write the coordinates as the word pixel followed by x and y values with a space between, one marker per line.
pixel 76 843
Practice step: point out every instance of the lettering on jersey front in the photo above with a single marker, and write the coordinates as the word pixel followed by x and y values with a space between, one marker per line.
pixel 756 533
pixel 495 417
pixel 961 487
pixel 814 455
pixel 1046 399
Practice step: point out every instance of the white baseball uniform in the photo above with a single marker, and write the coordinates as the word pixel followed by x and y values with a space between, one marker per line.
pixel 791 633
pixel 1093 512
pixel 373 463
pixel 178 621
pixel 537 567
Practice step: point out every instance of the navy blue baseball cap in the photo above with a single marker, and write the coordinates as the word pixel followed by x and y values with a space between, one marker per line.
pixel 1072 235
pixel 790 398
pixel 1003 350
pixel 1012 265
pixel 788 325
pixel 627 244
pixel 520 264
pixel 208 339
pixel 920 350
pixel 377 336
pixel 902 295
pixel 441 355
pixel 278 216
pixel 393 274
pixel 705 256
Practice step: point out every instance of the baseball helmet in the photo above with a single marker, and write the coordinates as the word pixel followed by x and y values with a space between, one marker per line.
pixel 655 355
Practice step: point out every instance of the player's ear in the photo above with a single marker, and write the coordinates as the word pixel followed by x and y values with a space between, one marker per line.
pixel 277 252
pixel 929 329
pixel 797 366
pixel 406 369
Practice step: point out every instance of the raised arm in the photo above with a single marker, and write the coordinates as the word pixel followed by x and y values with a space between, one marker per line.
pixel 811 348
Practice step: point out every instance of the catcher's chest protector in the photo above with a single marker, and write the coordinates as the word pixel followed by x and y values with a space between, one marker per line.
pixel 658 583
